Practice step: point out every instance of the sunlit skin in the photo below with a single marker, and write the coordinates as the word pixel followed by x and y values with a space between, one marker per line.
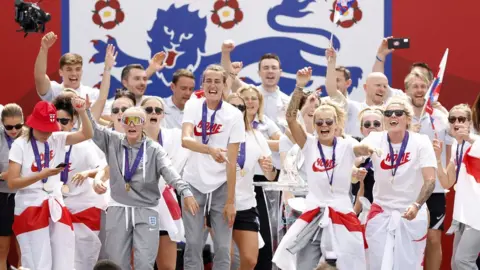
pixel 376 88
pixel 61 114
pixel 133 132
pixel 396 124
pixel 269 73
pixel 13 121
pixel 117 118
pixel 71 75
pixel 182 90
pixel 136 82
pixel 456 127
pixel 371 117
pixel 416 91
pixel 153 119
pixel 252 102
pixel 213 85
pixel 325 133
pixel 342 84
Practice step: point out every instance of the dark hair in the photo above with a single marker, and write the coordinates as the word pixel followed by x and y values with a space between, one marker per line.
pixel 182 73
pixel 425 66
pixel 346 72
pixel 126 70
pixel 64 103
pixel 121 93
pixel 106 265
pixel 476 114
pixel 269 56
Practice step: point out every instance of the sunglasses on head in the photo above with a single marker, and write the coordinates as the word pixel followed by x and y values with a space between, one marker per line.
pixel 368 124
pixel 10 127
pixel 389 113
pixel 453 119
pixel 136 120
pixel 241 107
pixel 150 110
pixel 63 121
pixel 327 122
pixel 116 110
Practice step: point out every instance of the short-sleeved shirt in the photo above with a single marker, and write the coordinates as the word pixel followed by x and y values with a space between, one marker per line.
pixel 201 170
pixel 56 89
pixel 173 115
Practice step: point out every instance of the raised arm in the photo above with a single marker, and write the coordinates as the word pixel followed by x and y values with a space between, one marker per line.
pixel 303 77
pixel 331 77
pixel 156 64
pixel 232 68
pixel 86 130
pixel 382 53
pixel 97 107
pixel 42 82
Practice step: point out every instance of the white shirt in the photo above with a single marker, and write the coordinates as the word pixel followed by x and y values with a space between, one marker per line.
pixel 403 190
pixel 173 115
pixel 352 125
pixel 441 128
pixel 284 146
pixel 275 106
pixel 172 143
pixel 201 170
pixel 56 89
pixel 22 153
pixel 319 191
pixel 255 144
pixel 267 128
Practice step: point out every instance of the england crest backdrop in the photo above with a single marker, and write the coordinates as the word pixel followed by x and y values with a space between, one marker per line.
pixel 191 33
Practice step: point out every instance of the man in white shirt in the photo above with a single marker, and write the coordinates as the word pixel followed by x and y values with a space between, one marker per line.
pixel 71 71
pixel 183 85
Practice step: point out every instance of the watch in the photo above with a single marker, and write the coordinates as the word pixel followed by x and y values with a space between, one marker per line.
pixel 417 205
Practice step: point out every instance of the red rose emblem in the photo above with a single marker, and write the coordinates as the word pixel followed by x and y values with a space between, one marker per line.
pixel 353 19
pixel 107 14
pixel 226 13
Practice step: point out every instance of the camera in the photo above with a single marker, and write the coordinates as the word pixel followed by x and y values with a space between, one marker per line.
pixel 30 17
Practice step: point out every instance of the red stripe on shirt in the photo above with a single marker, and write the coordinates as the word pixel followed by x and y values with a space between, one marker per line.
pixel 90 217
pixel 472 165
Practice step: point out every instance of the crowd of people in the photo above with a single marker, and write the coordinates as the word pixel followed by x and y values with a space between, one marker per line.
pixel 89 182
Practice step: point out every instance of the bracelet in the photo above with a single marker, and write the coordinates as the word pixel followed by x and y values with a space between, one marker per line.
pixel 233 74
pixel 107 69
pixel 378 59
pixel 299 87
pixel 417 205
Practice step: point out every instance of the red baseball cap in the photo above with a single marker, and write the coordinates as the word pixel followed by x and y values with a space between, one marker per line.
pixel 43 117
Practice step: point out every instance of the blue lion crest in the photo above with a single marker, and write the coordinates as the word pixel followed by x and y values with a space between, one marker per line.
pixel 181 34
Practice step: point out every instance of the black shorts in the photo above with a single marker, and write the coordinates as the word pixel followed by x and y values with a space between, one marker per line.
pixel 7 207
pixel 163 233
pixel 437 207
pixel 247 220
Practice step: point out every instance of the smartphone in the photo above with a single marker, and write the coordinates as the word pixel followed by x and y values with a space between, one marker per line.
pixel 399 43
pixel 61 165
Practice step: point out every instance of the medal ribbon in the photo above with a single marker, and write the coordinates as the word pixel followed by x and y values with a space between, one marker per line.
pixel 241 155
pixel 403 147
pixel 160 140
pixel 459 159
pixel 64 173
pixel 204 120
pixel 129 172
pixel 324 161
pixel 9 141
pixel 38 160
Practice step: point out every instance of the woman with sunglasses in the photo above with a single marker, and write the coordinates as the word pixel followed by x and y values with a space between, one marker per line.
pixel 371 119
pixel 12 124
pixel 466 221
pixel 82 163
pixel 254 151
pixel 42 222
pixel 171 226
pixel 329 160
pixel 136 165
pixel 404 180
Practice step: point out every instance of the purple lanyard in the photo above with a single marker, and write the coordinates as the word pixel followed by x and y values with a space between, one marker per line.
pixel 368 164
pixel 160 140
pixel 9 140
pixel 459 159
pixel 38 160
pixel 64 173
pixel 324 161
pixel 403 147
pixel 204 121
pixel 129 172
pixel 254 124
pixel 241 155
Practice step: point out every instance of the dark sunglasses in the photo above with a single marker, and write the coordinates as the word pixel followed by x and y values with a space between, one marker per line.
pixel 241 107
pixel 150 110
pixel 389 113
pixel 63 121
pixel 327 122
pixel 453 119
pixel 117 110
pixel 368 124
pixel 10 127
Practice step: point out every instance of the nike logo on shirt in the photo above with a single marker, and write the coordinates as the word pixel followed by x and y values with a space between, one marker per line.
pixel 216 128
pixel 386 164
pixel 318 165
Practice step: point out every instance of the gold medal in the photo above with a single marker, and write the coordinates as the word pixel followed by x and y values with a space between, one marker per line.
pixel 127 187
pixel 455 187
pixel 242 172
pixel 65 189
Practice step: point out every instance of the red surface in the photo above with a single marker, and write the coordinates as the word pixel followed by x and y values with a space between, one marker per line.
pixel 431 25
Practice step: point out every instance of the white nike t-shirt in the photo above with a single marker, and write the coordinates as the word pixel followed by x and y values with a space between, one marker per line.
pixel 400 191
pixel 201 170
pixel 319 191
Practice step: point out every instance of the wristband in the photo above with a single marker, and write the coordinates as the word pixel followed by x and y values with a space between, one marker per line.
pixel 378 59
pixel 417 205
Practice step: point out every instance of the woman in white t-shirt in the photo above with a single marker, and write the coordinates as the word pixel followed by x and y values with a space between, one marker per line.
pixel 42 222
pixel 466 218
pixel 328 161
pixel 405 167
pixel 254 151
pixel 82 163
pixel 171 226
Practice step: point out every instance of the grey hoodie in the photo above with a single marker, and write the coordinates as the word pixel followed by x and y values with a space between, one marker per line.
pixel 144 191
pixel 4 152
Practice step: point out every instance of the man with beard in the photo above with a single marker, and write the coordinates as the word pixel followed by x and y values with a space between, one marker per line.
pixel 416 86
pixel 183 84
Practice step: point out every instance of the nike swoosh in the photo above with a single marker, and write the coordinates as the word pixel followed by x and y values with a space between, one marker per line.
pixel 320 169
pixel 386 166
pixel 199 133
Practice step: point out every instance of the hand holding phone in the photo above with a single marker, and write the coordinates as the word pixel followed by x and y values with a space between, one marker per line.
pixel 61 165
pixel 398 43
